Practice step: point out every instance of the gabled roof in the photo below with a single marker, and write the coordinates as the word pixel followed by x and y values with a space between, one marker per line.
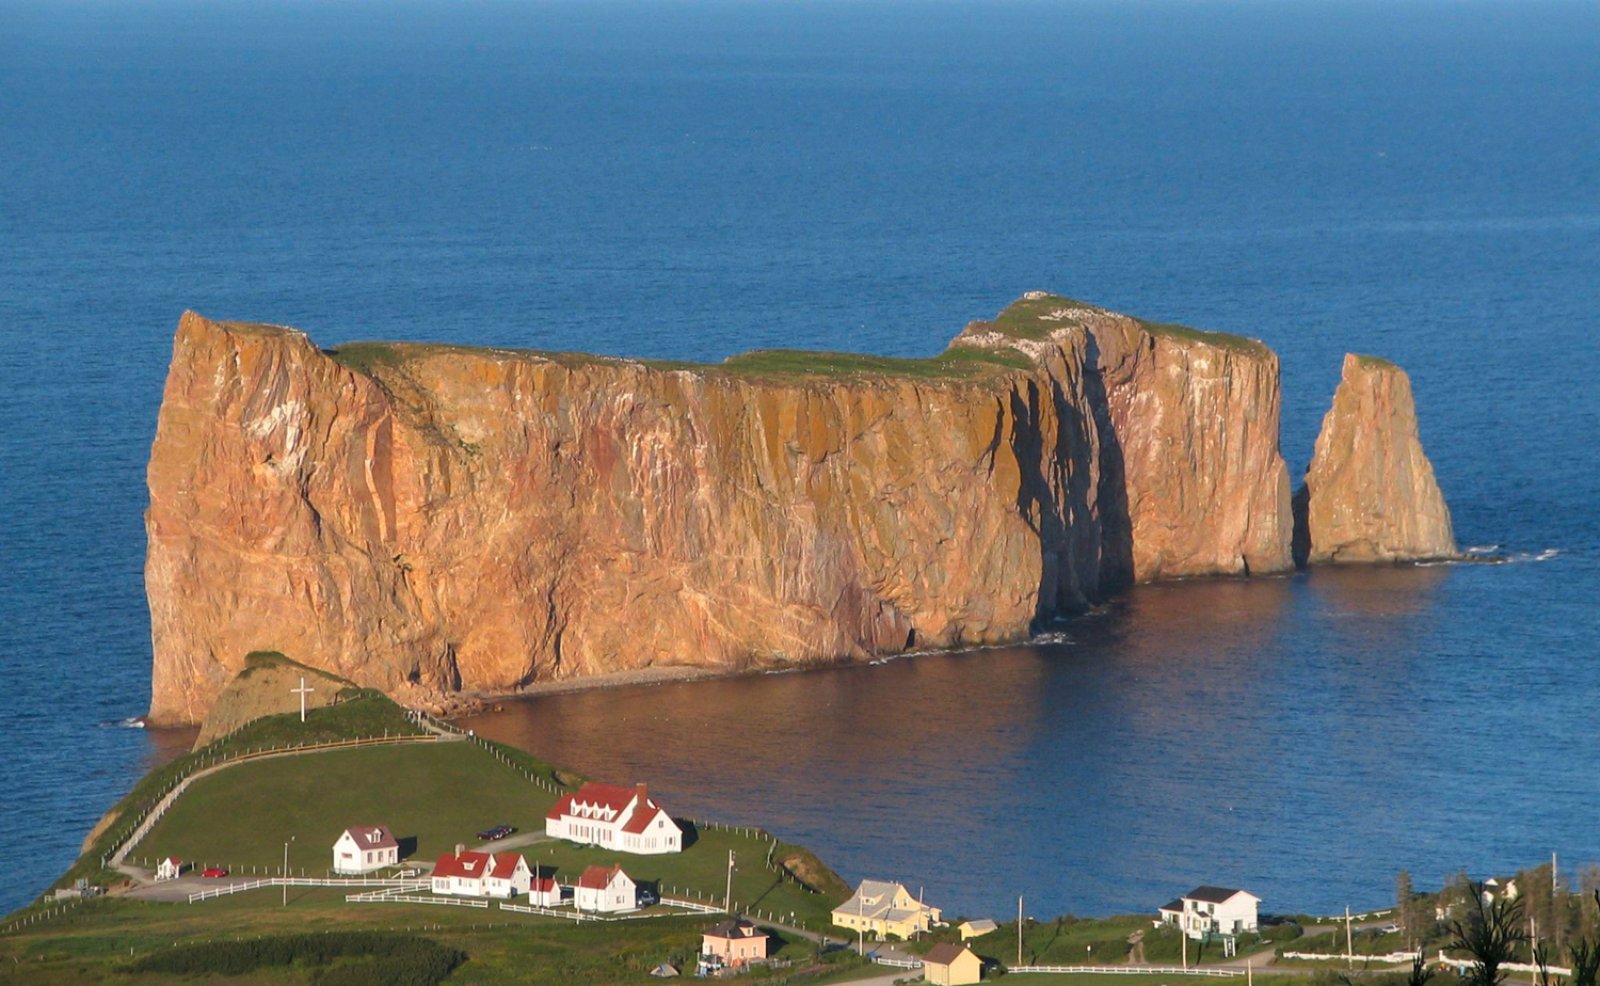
pixel 733 930
pixel 469 864
pixel 599 877
pixel 543 885
pixel 875 899
pixel 945 953
pixel 1174 905
pixel 642 817
pixel 372 836
pixel 503 866
pixel 1215 895
pixel 982 926
pixel 175 861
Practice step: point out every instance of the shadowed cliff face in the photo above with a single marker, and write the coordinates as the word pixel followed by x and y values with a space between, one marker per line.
pixel 1370 494
pixel 429 519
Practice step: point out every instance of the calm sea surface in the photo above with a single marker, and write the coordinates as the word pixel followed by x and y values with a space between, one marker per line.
pixel 1417 180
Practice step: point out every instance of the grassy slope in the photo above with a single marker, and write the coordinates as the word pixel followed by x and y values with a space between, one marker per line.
pixel 438 794
pixel 92 943
pixel 365 713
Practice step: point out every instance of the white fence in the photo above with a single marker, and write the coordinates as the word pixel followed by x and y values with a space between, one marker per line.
pixel 690 905
pixel 1393 958
pixel 898 963
pixel 304 881
pixel 1130 970
pixel 377 897
pixel 1460 964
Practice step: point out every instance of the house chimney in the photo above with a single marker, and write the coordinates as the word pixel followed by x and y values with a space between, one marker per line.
pixel 643 794
pixel 460 849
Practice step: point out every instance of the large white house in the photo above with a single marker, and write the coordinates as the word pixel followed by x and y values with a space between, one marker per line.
pixel 615 817
pixel 364 848
pixel 481 874
pixel 1213 911
pixel 605 890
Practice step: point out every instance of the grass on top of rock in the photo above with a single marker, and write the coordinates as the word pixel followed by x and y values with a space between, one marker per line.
pixel 372 358
pixel 1037 314
pixel 263 660
pixel 955 362
pixel 1374 362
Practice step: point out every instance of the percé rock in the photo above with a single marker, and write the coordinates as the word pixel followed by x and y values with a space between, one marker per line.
pixel 433 519
pixel 1370 494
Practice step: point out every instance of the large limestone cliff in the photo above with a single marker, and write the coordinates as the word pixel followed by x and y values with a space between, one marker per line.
pixel 1370 494
pixel 428 519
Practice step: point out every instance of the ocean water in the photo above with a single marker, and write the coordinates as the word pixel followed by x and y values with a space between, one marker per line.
pixel 1416 180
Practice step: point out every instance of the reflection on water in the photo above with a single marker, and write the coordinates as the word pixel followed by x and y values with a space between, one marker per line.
pixel 1305 737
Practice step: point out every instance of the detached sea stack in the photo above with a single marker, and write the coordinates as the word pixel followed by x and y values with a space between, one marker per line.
pixel 1370 494
pixel 431 519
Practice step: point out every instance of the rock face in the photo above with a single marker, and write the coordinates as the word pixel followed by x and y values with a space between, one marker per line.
pixel 264 688
pixel 1370 494
pixel 430 519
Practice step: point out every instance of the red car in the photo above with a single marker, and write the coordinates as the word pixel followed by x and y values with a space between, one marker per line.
pixel 215 872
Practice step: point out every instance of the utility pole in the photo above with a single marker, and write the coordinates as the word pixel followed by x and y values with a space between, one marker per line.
pixel 727 897
pixel 1349 950
pixel 286 871
pixel 1019 929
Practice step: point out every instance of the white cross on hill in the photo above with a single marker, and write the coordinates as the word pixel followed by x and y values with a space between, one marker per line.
pixel 302 691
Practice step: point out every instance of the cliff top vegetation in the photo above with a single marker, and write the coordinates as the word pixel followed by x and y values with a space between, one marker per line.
pixel 1037 314
pixel 1033 317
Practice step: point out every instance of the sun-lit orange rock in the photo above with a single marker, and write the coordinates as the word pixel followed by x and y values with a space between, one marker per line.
pixel 435 519
pixel 1370 494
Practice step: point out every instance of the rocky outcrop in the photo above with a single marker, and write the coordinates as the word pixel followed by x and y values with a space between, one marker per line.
pixel 1370 494
pixel 429 519
pixel 268 685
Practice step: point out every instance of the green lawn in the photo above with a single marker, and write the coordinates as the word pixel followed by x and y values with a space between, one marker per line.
pixel 437 794
pixel 97 939
pixel 702 868
pixel 364 713
pixel 1082 979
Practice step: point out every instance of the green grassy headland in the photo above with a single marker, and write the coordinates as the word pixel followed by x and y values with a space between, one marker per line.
pixel 1030 318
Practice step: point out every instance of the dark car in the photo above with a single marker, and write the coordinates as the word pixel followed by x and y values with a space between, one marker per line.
pixel 498 832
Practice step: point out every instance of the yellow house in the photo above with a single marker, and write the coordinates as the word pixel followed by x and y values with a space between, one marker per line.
pixel 947 964
pixel 882 908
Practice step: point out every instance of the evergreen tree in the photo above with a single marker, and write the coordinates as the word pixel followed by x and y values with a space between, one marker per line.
pixel 1405 906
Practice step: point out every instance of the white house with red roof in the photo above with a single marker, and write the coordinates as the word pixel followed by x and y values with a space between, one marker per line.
pixel 481 874
pixel 614 817
pixel 605 890
pixel 508 875
pixel 459 873
pixel 364 848
pixel 170 868
pixel 544 891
